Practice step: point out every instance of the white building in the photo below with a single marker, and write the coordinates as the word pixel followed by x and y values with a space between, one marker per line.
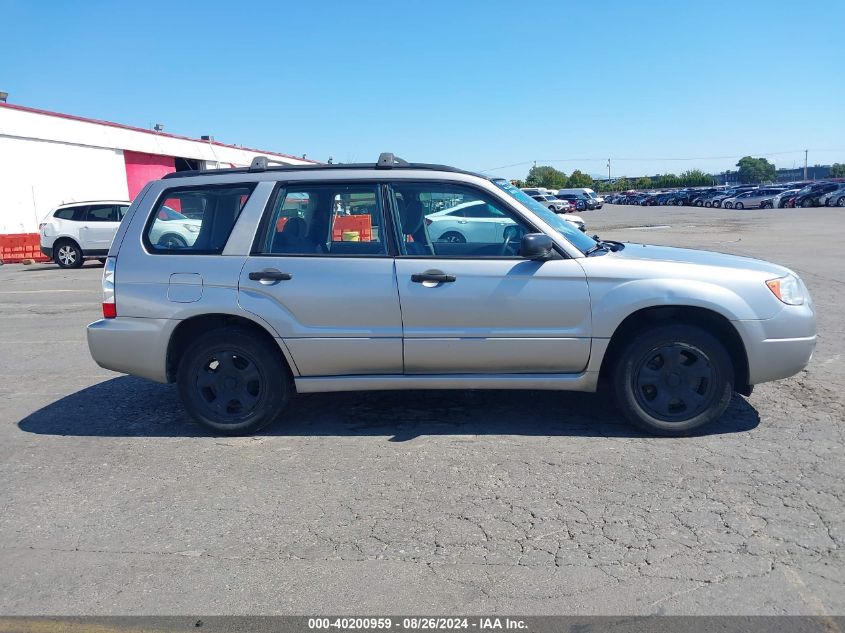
pixel 48 159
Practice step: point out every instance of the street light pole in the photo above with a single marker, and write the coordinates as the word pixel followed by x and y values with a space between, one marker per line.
pixel 805 164
pixel 608 171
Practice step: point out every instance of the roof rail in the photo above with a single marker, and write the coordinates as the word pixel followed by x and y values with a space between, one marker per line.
pixel 260 163
pixel 386 160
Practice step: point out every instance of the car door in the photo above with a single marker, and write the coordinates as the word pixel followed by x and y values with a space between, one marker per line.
pixel 477 307
pixel 99 226
pixel 321 274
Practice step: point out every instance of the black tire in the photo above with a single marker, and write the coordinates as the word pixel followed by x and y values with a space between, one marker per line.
pixel 232 382
pixel 673 379
pixel 841 202
pixel 172 241
pixel 67 254
pixel 739 206
pixel 766 205
pixel 453 237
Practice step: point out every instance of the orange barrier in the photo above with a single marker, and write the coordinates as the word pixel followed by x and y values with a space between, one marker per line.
pixel 362 224
pixel 16 247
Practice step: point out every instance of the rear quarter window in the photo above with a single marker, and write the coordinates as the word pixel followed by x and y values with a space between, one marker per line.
pixel 72 213
pixel 195 220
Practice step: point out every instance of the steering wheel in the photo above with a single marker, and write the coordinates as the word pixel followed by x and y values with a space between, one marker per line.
pixel 511 235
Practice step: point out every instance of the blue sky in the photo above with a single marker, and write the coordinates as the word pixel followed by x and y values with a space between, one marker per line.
pixel 475 84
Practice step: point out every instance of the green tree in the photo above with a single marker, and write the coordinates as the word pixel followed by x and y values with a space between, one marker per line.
pixel 579 179
pixel 755 170
pixel 696 178
pixel 643 183
pixel 837 170
pixel 545 176
pixel 622 184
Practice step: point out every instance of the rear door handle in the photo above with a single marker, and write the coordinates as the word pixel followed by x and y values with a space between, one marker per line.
pixel 269 276
pixel 432 275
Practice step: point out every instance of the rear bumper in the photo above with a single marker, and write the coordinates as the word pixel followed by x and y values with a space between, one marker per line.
pixel 47 251
pixel 131 345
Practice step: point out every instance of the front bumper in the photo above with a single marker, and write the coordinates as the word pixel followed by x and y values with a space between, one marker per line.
pixel 781 346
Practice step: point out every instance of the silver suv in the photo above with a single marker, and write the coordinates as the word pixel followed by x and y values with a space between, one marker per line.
pixel 350 277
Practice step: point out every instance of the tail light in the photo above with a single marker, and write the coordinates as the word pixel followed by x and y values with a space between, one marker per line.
pixel 109 305
pixel 428 221
pixel 41 227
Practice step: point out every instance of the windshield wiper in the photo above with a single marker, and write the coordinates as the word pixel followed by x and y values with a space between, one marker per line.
pixel 604 245
pixel 599 246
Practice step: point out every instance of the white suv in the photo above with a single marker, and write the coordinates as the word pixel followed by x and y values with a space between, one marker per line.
pixel 72 232
pixel 75 231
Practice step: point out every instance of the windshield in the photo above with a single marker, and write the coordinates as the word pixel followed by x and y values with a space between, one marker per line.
pixel 578 239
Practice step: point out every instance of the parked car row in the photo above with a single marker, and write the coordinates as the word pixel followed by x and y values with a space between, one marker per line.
pixel 579 199
pixel 787 195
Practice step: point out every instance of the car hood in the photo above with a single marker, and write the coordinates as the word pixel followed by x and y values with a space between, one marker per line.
pixel 647 252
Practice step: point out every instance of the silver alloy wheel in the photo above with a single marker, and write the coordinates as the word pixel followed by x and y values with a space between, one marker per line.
pixel 841 202
pixel 67 254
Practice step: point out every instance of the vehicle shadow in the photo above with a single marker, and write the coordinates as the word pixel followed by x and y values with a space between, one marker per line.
pixel 37 266
pixel 133 407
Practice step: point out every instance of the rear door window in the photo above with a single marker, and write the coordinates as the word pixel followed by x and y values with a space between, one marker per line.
pixel 102 213
pixel 195 220
pixel 326 219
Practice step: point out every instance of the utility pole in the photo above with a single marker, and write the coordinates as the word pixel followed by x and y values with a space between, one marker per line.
pixel 805 164
pixel 608 170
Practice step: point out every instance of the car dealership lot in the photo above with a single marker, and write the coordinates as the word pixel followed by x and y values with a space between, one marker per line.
pixel 113 501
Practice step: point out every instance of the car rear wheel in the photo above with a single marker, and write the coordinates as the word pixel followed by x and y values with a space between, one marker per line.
pixel 673 379
pixel 766 205
pixel 728 205
pixel 232 382
pixel 708 204
pixel 739 205
pixel 67 254
pixel 807 203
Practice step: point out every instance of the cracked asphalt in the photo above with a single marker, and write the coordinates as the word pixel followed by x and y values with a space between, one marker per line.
pixel 113 502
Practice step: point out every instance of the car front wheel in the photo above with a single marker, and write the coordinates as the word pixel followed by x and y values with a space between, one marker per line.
pixel 841 202
pixel 673 379
pixel 232 382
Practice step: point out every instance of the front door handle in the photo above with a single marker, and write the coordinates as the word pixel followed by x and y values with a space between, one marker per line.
pixel 437 276
pixel 269 276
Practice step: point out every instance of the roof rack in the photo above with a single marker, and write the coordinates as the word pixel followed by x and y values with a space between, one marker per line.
pixel 260 163
pixel 387 160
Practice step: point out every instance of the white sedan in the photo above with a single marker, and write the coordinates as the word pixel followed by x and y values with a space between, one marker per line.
pixel 477 221
pixel 173 230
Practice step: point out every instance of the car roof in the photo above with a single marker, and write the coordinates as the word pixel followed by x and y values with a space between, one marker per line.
pixel 68 205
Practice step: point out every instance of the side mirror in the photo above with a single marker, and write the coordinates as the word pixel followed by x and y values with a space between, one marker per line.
pixel 537 246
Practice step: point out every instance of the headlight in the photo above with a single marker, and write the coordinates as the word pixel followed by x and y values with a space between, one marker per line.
pixel 191 228
pixel 787 289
